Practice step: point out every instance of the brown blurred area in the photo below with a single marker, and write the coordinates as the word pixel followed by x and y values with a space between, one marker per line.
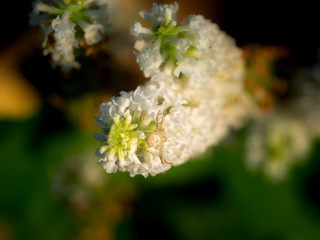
pixel 19 99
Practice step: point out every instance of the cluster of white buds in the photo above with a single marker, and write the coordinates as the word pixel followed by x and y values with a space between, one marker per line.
pixel 194 97
pixel 65 23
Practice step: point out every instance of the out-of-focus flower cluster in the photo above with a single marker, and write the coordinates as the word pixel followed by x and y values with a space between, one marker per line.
pixel 277 142
pixel 82 185
pixel 68 24
pixel 76 179
pixel 306 96
pixel 281 135
pixel 194 96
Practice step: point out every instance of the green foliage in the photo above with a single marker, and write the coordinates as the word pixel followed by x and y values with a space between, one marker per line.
pixel 211 197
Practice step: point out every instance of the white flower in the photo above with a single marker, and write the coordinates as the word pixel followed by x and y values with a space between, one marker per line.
pixel 207 34
pixel 160 14
pixel 150 61
pixel 60 18
pixel 137 29
pixel 276 143
pixel 62 51
pixel 200 72
pixel 158 42
pixel 126 122
pixel 92 32
pixel 193 99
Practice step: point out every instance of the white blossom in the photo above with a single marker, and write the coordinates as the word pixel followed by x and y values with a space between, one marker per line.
pixel 92 32
pixel 126 122
pixel 276 143
pixel 62 51
pixel 59 18
pixel 160 14
pixel 194 96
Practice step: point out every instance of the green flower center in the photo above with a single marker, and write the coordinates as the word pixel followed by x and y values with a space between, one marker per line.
pixel 120 134
pixel 168 35
pixel 277 146
pixel 75 8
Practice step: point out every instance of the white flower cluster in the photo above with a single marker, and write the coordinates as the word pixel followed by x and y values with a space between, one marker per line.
pixel 193 99
pixel 276 143
pixel 280 140
pixel 66 22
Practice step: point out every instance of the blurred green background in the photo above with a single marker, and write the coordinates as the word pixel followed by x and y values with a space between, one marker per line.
pixel 51 187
